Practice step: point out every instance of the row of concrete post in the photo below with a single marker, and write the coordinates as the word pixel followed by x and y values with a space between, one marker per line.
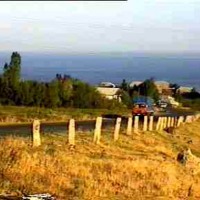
pixel 132 127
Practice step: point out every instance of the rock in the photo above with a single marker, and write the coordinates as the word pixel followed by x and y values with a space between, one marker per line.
pixel 170 130
pixel 189 141
pixel 71 147
pixel 181 157
pixel 191 161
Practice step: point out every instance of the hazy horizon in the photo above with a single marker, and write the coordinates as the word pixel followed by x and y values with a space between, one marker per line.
pixel 106 53
pixel 183 70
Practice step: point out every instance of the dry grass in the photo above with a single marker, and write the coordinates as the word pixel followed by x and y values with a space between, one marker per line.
pixel 16 114
pixel 140 167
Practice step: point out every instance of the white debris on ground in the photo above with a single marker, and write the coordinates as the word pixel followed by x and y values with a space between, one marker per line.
pixel 38 197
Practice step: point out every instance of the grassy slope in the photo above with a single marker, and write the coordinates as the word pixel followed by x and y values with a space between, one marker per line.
pixel 13 114
pixel 140 167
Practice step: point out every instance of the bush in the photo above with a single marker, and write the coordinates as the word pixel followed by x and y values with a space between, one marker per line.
pixel 193 104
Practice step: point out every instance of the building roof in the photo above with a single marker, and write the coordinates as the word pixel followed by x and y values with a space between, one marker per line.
pixel 135 83
pixel 161 83
pixel 108 91
pixel 107 84
pixel 185 89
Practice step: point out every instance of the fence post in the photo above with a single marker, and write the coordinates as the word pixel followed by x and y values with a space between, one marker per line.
pixel 136 124
pixel 151 123
pixel 129 126
pixel 172 122
pixel 97 131
pixel 175 121
pixel 71 135
pixel 36 133
pixel 195 117
pixel 145 123
pixel 189 118
pixel 164 122
pixel 161 123
pixel 180 120
pixel 168 121
pixel 158 124
pixel 117 128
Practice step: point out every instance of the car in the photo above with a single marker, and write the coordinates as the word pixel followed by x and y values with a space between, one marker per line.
pixel 163 105
pixel 142 109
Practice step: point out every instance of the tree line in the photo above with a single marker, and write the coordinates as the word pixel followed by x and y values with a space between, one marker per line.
pixel 65 91
pixel 62 91
pixel 146 88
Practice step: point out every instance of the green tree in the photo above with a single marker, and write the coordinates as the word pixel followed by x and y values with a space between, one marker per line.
pixel 11 77
pixel 124 85
pixel 191 95
pixel 126 99
pixel 12 71
pixel 52 95
pixel 85 96
pixel 174 87
pixel 65 92
pixel 39 94
pixel 148 88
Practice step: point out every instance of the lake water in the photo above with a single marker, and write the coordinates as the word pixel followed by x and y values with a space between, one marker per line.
pixel 95 68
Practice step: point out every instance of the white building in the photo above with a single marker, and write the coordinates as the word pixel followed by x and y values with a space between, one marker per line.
pixel 110 93
pixel 182 89
pixel 135 83
pixel 107 84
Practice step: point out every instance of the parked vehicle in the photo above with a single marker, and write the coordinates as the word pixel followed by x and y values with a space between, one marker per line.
pixel 143 106
pixel 163 104
pixel 142 109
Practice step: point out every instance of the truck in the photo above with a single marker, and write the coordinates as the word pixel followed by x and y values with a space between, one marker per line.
pixel 143 105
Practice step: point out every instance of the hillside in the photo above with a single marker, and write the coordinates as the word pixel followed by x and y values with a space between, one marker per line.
pixel 141 166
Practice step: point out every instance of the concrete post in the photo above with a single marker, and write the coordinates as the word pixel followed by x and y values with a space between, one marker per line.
pixel 36 133
pixel 158 124
pixel 97 131
pixel 129 126
pixel 145 123
pixel 175 121
pixel 189 119
pixel 197 116
pixel 117 128
pixel 168 121
pixel 71 135
pixel 193 118
pixel 180 121
pixel 164 122
pixel 172 122
pixel 161 123
pixel 136 124
pixel 151 123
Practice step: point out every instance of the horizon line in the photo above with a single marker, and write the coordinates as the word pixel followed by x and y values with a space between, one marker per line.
pixel 102 52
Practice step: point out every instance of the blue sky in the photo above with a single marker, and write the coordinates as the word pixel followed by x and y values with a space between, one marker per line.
pixel 85 27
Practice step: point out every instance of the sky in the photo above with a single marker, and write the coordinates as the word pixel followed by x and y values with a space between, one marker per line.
pixel 90 27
